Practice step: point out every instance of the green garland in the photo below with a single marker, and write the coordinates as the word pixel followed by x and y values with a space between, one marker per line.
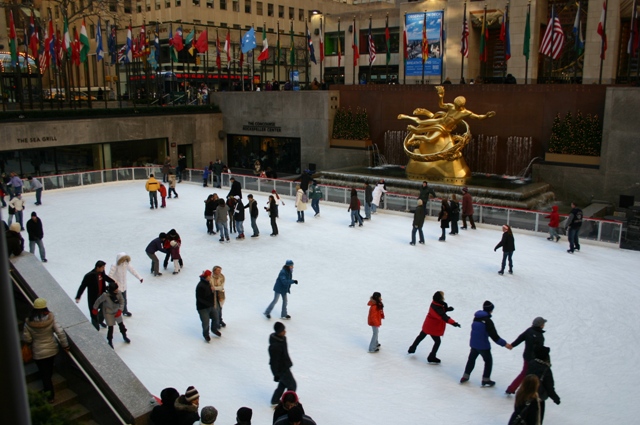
pixel 581 135
pixel 351 125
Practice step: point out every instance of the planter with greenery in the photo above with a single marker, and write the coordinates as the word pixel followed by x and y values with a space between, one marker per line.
pixel 575 140
pixel 351 129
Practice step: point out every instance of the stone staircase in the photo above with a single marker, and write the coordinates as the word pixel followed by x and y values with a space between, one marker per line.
pixel 65 397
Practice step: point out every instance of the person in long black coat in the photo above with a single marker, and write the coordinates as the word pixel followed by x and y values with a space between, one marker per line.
pixel 236 188
pixel 541 367
pixel 280 362
pixel 443 218
pixel 95 282
pixel 508 245
pixel 418 222
pixel 533 337
pixel 526 409
pixel 15 242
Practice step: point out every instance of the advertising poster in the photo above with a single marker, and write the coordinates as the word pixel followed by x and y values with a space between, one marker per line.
pixel 414 24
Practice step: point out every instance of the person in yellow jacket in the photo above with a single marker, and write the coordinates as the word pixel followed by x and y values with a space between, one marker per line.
pixel 152 187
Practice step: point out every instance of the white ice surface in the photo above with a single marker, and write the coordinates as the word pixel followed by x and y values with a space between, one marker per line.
pixel 589 299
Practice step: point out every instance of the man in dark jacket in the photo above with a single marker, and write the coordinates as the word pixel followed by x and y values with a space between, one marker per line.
pixel 481 330
pixel 181 168
pixel 541 367
pixel 305 179
pixel 218 166
pixel 95 282
pixel 253 213
pixel 238 217
pixel 532 338
pixel 154 246
pixel 418 222
pixel 280 362
pixel 425 191
pixel 207 306
pixel 236 188
pixel 15 243
pixel 368 198
pixel 574 222
pixel 36 233
pixel 165 414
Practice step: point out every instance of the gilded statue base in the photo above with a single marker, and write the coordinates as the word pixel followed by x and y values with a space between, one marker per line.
pixel 434 151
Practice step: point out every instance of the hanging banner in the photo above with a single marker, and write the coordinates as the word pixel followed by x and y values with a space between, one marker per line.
pixel 415 24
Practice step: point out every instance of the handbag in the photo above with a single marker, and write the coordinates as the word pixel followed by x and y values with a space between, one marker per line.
pixel 519 420
pixel 27 353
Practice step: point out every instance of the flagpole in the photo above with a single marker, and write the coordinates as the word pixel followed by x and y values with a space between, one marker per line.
pixel 442 47
pixel 506 24
pixel 252 51
pixel 602 41
pixel 339 54
pixel 306 62
pixel 321 42
pixel 386 70
pixel 553 36
pixel 104 71
pixel 354 51
pixel 404 48
pixel 278 53
pixel 26 62
pixel 464 21
pixel 576 44
pixel 526 48
pixel 483 69
pixel 424 29
pixel 369 49
pixel 634 37
pixel 117 76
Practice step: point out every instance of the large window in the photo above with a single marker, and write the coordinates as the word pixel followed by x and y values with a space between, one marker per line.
pixel 280 153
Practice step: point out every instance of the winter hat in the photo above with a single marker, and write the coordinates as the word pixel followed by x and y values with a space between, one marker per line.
pixel 488 306
pixel 112 287
pixel 278 327
pixel 419 202
pixel 33 214
pixel 244 414
pixel 206 273
pixel 163 235
pixel 289 263
pixel 438 296
pixel 191 394
pixel 539 322
pixel 465 189
pixel 15 227
pixel 208 415
pixel 295 414
pixel 237 197
pixel 40 303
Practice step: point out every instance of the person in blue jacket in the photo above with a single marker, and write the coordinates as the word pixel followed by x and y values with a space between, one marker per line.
pixel 281 289
pixel 481 330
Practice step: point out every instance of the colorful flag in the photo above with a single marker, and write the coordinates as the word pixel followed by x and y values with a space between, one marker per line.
pixel 249 41
pixel 34 40
pixel 601 25
pixel 292 50
pixel 634 40
pixel 13 40
pixel 484 39
pixel 321 42
pixel 128 51
pixel 189 41
pixel 387 39
pixel 527 34
pixel 264 54
pixel 312 53
pixel 156 44
pixel 577 33
pixel 99 50
pixel 142 41
pixel 202 43
pixel 178 44
pixel 75 48
pixel 66 41
pixel 218 60
pixel 425 40
pixel 227 48
pixel 464 42
pixel 405 46
pixel 339 45
pixel 504 35
pixel 372 46
pixel 354 46
pixel 45 56
pixel 59 51
pixel 51 44
pixel 84 41
pixel 553 39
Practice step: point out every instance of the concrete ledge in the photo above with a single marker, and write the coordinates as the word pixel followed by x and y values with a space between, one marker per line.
pixel 129 396
pixel 354 144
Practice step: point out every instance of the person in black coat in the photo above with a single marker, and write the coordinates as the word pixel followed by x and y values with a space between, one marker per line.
pixel 238 217
pixel 455 214
pixel 541 367
pixel 154 246
pixel 36 233
pixel 210 206
pixel 533 337
pixel 443 218
pixel 236 188
pixel 272 209
pixel 368 199
pixel 182 167
pixel 253 214
pixel 526 409
pixel 305 179
pixel 289 400
pixel 207 306
pixel 15 243
pixel 95 282
pixel 280 362
pixel 418 222
pixel 508 245
pixel 165 414
pixel 425 191
pixel 172 235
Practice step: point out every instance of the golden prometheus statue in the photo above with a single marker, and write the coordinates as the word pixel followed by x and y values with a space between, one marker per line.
pixel 433 151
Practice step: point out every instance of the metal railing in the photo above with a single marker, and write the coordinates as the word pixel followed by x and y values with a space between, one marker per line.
pixel 592 228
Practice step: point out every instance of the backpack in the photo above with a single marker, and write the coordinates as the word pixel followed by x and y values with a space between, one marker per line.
pixel 305 198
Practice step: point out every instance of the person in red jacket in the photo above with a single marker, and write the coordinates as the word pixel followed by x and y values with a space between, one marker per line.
pixel 163 194
pixel 554 223
pixel 376 314
pixel 434 325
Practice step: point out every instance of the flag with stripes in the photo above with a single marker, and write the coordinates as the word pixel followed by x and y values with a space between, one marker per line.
pixel 601 33
pixel 464 42
pixel 372 46
pixel 553 40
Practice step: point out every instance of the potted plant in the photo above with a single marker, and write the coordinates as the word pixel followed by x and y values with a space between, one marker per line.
pixel 575 140
pixel 351 129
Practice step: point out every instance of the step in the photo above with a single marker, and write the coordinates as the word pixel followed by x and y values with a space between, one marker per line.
pixel 81 415
pixel 35 384
pixel 66 398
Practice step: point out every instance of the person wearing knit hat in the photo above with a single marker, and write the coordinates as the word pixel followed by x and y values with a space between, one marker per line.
pixel 281 288
pixel 508 245
pixel 481 330
pixel 288 400
pixel 295 416
pixel 208 416
pixel 280 362
pixel 186 407
pixel 35 232
pixel 207 306
pixel 15 242
pixel 533 337
pixel 243 416
pixel 434 325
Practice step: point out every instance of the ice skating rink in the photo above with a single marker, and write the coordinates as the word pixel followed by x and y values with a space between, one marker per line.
pixel 590 300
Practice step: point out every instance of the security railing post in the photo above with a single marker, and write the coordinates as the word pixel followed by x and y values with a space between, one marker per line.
pixel 537 217
pixel 599 230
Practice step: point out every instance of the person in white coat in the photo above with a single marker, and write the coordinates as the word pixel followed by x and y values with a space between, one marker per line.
pixel 118 273
pixel 377 196
pixel 301 206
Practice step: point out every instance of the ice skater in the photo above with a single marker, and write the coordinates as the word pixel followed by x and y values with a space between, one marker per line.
pixel 574 222
pixel 418 222
pixel 272 209
pixel 95 283
pixel 376 314
pixel 111 303
pixel 434 325
pixel 280 362
pixel 533 337
pixel 118 272
pixel 526 409
pixel 541 367
pixel 281 288
pixel 508 245
pixel 481 330
pixel 554 223
pixel 354 207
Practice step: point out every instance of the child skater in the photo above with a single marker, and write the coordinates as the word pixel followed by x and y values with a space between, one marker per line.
pixel 163 195
pixel 376 314
pixel 434 325
pixel 112 306
pixel 554 223
pixel 175 255
pixel 508 246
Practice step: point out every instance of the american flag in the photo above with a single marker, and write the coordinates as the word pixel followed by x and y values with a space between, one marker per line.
pixel 372 46
pixel 464 45
pixel 553 39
